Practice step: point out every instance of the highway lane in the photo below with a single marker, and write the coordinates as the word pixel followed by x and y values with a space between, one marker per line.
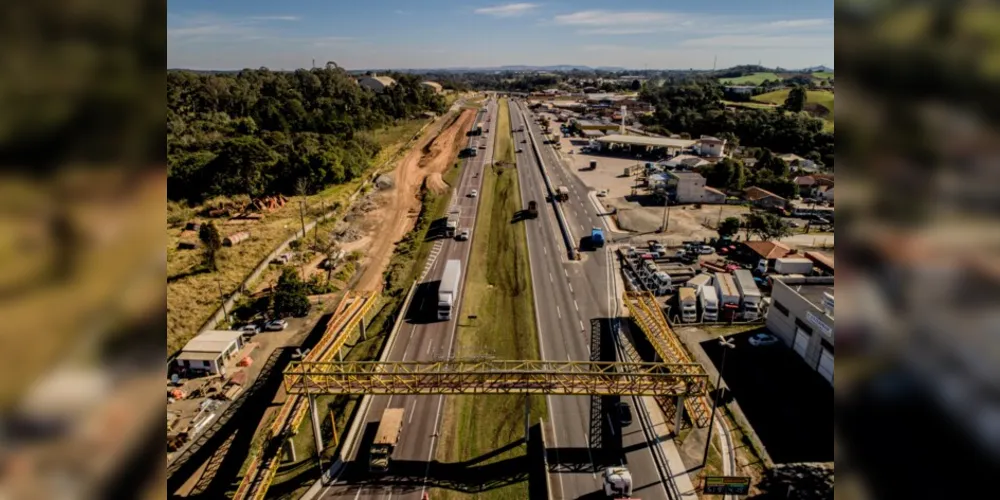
pixel 423 338
pixel 569 295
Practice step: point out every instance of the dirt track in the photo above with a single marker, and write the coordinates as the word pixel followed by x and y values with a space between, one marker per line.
pixel 429 158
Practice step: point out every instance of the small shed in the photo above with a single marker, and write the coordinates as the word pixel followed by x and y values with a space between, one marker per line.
pixel 236 238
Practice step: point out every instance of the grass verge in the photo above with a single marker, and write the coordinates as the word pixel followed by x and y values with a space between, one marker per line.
pixel 498 292
pixel 504 149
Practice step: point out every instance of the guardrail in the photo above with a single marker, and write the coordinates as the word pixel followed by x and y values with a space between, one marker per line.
pixel 568 238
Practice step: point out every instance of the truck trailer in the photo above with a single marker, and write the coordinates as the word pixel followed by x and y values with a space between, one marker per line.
pixel 389 429
pixel 617 482
pixel 709 303
pixel 532 209
pixel 700 281
pixel 451 225
pixel 792 265
pixel 448 289
pixel 729 295
pixel 750 296
pixel 688 303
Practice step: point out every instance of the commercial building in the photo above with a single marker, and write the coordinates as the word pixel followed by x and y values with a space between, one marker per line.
pixel 376 83
pixel 801 315
pixel 208 353
pixel 763 198
pixel 668 145
pixel 685 187
pixel 435 86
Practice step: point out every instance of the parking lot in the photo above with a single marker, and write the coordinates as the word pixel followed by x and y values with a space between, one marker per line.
pixel 789 405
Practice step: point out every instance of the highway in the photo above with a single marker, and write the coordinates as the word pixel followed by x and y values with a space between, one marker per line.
pixel 570 297
pixel 422 338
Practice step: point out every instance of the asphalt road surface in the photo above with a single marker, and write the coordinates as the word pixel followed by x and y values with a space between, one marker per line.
pixel 574 302
pixel 422 338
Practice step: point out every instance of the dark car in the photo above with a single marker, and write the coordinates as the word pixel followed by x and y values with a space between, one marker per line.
pixel 624 413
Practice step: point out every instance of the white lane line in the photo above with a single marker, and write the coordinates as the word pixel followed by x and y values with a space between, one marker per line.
pixel 558 312
pixel 577 306
pixel 582 329
pixel 358 495
pixel 581 228
pixel 545 250
pixel 412 404
pixel 550 278
pixel 570 288
pixel 566 272
pixel 429 344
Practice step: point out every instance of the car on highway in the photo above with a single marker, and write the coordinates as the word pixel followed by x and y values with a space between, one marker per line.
pixel 276 325
pixel 474 193
pixel 519 150
pixel 250 329
pixel 762 339
pixel 623 412
pixel 524 141
pixel 462 235
pixel 482 146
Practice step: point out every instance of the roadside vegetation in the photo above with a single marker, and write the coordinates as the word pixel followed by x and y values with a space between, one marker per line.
pixel 497 321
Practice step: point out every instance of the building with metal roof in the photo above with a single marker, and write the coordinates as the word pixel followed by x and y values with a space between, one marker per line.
pixel 208 352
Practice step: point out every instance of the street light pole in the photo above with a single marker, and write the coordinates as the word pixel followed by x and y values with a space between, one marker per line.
pixel 726 345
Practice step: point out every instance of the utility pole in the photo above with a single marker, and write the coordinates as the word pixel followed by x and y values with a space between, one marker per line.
pixel 666 214
pixel 222 297
pixel 726 345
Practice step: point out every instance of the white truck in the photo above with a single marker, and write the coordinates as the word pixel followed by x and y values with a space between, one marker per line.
pixel 448 288
pixel 793 265
pixel 618 482
pixel 451 226
pixel 688 303
pixel 729 295
pixel 750 296
pixel 660 283
pixel 700 281
pixel 709 303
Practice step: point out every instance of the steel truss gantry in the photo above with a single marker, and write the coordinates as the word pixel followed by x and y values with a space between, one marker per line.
pixel 497 377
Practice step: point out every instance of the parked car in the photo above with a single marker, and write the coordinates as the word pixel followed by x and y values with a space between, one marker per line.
pixel 276 325
pixel 474 193
pixel 462 235
pixel 250 329
pixel 793 224
pixel 624 413
pixel 282 259
pixel 762 339
pixel 602 193
pixel 705 250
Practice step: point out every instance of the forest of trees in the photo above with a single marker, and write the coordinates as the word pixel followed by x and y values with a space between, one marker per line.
pixel 258 132
pixel 696 107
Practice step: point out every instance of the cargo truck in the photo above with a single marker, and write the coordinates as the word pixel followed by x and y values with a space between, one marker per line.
pixel 532 209
pixel 448 289
pixel 709 303
pixel 688 304
pixel 562 193
pixel 451 226
pixel 750 297
pixel 729 295
pixel 385 439
pixel 791 265
pixel 700 281
pixel 617 482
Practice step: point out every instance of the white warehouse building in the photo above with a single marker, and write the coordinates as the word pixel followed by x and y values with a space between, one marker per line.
pixel 801 315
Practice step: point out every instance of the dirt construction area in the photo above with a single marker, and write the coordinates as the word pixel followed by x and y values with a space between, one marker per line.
pixel 400 204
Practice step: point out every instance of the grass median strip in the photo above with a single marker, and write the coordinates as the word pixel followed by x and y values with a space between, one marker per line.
pixel 487 432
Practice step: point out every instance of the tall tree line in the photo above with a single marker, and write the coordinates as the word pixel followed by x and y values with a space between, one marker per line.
pixel 257 132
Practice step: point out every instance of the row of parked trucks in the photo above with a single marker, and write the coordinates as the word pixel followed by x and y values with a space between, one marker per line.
pixel 721 296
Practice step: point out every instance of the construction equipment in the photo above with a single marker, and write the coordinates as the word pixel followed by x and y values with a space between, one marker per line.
pixel 389 429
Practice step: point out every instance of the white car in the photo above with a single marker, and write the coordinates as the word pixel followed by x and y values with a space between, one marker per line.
pixel 276 325
pixel 474 193
pixel 251 329
pixel 762 339
pixel 602 193
pixel 705 250
pixel 462 235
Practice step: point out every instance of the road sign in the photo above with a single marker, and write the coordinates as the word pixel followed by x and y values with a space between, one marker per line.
pixel 727 485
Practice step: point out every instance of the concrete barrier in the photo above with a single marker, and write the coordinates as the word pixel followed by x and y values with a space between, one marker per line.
pixel 568 237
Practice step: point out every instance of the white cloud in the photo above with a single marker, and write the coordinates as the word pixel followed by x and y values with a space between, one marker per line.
pixel 274 18
pixel 618 31
pixel 799 23
pixel 759 41
pixel 608 18
pixel 507 10
pixel 207 27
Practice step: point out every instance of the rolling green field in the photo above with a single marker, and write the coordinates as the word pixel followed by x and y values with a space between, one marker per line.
pixel 823 75
pixel 497 320
pixel 816 98
pixel 752 79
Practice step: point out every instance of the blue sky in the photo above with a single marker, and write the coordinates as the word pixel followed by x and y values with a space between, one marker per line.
pixel 232 34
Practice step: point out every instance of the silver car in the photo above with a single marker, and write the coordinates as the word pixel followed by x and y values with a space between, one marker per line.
pixel 276 325
pixel 462 235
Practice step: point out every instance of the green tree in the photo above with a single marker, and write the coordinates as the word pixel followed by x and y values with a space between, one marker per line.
pixel 636 85
pixel 772 164
pixel 796 100
pixel 211 240
pixel 242 167
pixel 291 295
pixel 729 226
pixel 766 226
